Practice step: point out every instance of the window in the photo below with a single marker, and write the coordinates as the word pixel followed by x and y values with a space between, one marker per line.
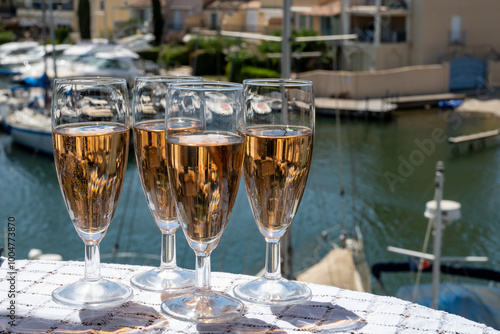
pixel 326 26
pixel 303 24
pixel 213 21
pixel 456 30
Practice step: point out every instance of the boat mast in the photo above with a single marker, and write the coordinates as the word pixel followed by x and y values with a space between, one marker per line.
pixel 286 242
pixel 286 37
pixel 44 40
pixel 52 37
pixel 436 265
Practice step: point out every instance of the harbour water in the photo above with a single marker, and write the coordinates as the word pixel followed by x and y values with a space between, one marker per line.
pixel 385 168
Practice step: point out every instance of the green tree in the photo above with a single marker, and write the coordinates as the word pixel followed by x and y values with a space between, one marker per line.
pixel 6 36
pixel 157 21
pixel 84 18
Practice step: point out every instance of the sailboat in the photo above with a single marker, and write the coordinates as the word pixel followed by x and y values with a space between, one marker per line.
pixel 477 302
pixel 344 266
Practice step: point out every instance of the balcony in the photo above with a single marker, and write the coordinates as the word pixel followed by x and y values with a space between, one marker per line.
pixel 385 3
pixel 393 29
pixel 387 7
pixel 386 36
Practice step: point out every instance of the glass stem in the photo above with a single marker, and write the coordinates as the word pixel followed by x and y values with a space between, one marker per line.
pixel 203 272
pixel 273 263
pixel 92 263
pixel 168 260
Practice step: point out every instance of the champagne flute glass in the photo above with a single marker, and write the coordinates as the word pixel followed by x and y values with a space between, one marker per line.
pixel 148 117
pixel 91 137
pixel 204 169
pixel 279 131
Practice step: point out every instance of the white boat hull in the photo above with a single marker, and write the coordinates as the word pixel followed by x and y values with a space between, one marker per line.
pixel 38 140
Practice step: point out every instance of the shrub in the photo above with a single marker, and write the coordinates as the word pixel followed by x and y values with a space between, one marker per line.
pixel 211 44
pixel 150 54
pixel 7 36
pixel 206 63
pixel 302 64
pixel 250 72
pixel 62 35
pixel 248 56
pixel 174 55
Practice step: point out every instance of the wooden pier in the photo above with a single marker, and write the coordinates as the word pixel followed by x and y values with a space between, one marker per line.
pixel 369 108
pixel 470 139
pixel 381 108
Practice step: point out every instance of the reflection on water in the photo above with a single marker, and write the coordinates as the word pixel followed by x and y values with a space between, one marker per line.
pixel 388 210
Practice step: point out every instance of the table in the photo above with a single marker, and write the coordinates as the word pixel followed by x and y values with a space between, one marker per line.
pixel 330 310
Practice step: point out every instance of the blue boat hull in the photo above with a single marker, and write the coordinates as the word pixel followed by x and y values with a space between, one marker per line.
pixel 479 303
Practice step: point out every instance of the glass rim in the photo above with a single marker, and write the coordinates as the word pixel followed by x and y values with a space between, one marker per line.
pixel 277 82
pixel 91 80
pixel 168 78
pixel 215 86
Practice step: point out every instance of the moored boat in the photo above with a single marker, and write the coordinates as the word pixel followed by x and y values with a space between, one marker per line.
pixel 474 301
pixel 450 104
pixel 30 129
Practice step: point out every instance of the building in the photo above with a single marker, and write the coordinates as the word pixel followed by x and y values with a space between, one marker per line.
pixel 107 18
pixel 29 15
pixel 265 16
pixel 322 17
pixel 400 33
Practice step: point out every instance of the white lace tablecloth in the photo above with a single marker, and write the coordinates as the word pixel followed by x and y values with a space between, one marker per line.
pixel 331 310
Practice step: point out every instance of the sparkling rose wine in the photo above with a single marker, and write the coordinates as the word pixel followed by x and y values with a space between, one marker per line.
pixel 275 166
pixel 205 171
pixel 90 160
pixel 151 155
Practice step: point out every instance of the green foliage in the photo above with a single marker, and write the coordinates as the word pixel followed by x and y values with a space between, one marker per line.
pixel 303 64
pixel 241 60
pixel 248 56
pixel 150 54
pixel 84 20
pixel 208 63
pixel 157 21
pixel 211 44
pixel 250 72
pixel 173 55
pixel 7 36
pixel 62 35
pixel 208 54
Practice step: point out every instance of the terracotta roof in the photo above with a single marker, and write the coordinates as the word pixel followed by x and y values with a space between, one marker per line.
pixel 254 4
pixel 142 3
pixel 328 9
pixel 225 4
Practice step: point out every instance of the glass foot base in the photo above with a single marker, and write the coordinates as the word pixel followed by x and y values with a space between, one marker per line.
pixel 176 280
pixel 203 308
pixel 272 292
pixel 93 295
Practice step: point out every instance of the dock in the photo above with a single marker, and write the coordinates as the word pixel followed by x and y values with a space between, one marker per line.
pixel 480 136
pixel 379 108
pixel 369 108
pixel 422 101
